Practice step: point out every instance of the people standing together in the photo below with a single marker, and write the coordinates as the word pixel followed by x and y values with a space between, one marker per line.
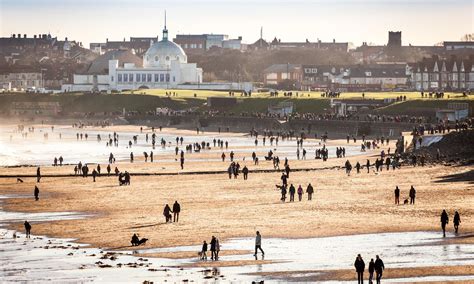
pixel 378 267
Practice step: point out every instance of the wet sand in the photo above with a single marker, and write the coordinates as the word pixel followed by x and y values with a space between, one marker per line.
pixel 212 204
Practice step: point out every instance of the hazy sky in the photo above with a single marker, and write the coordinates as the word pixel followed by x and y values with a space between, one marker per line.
pixel 422 22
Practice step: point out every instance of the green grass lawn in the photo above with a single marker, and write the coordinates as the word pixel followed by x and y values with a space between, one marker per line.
pixel 204 94
pixel 146 100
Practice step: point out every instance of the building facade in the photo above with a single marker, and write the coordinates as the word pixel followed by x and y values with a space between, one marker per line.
pixel 165 65
pixel 434 74
pixel 203 42
pixel 21 81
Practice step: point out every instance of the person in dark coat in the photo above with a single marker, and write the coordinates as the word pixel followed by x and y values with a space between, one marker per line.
pixel 456 221
pixel 371 270
pixel 213 248
pixel 204 251
pixel 176 210
pixel 379 268
pixel 367 165
pixel 310 191
pixel 245 171
pixel 412 195
pixel 94 175
pixel 27 229
pixel 37 191
pixel 444 221
pixel 167 213
pixel 397 195
pixel 292 193
pixel 284 179
pixel 359 265
pixel 38 174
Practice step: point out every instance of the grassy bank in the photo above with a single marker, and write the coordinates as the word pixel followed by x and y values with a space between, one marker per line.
pixel 149 100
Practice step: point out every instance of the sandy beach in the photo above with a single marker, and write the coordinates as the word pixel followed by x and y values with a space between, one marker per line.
pixel 213 204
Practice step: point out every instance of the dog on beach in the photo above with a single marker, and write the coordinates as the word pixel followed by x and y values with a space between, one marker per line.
pixel 405 201
pixel 19 180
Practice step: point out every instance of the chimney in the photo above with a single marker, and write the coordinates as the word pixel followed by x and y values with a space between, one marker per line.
pixel 13 36
pixel 333 40
pixel 34 36
pixel 24 36
pixel 107 40
pixel 19 35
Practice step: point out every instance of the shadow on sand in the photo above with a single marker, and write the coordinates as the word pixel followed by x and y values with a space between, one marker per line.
pixel 461 177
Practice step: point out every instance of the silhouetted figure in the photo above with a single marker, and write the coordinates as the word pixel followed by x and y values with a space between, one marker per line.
pixel 371 270
pixel 444 221
pixel 245 171
pixel 310 191
pixel 397 195
pixel 27 229
pixel 204 251
pixel 456 221
pixel 359 265
pixel 412 195
pixel 167 213
pixel 176 210
pixel 213 248
pixel 379 268
pixel 258 244
pixel 37 191
pixel 38 174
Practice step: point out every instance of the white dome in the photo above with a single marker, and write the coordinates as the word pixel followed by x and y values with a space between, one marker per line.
pixel 162 53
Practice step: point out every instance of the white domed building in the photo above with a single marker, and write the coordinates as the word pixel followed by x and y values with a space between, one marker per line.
pixel 165 65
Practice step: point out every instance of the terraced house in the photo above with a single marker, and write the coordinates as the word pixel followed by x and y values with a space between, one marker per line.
pixel 434 74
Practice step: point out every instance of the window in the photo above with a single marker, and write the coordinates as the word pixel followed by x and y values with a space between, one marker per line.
pixel 162 77
pixel 167 58
pixel 156 77
pixel 130 76
pixel 125 77
pixel 200 45
pixel 112 78
pixel 143 77
pixel 119 77
pixel 174 79
pixel 167 77
pixel 177 57
pixel 137 77
pixel 185 45
pixel 148 77
pixel 156 58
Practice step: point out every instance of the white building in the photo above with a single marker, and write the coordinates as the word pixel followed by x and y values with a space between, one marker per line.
pixel 165 65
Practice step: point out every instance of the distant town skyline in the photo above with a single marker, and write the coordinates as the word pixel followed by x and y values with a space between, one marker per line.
pixel 355 21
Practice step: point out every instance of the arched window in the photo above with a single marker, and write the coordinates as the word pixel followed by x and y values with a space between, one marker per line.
pixel 177 57
pixel 156 58
pixel 167 58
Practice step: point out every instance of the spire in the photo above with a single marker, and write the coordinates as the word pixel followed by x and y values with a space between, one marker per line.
pixel 165 30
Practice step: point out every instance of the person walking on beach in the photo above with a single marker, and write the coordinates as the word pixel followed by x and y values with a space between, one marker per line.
pixel 258 244
pixel 309 191
pixel 182 160
pixel 444 221
pixel 379 268
pixel 412 195
pixel 38 174
pixel 397 195
pixel 176 210
pixel 204 251
pixel 213 248
pixel 94 175
pixel 292 193
pixel 456 221
pixel 27 229
pixel 108 169
pixel 245 171
pixel 37 191
pixel 167 213
pixel 367 165
pixel 371 270
pixel 218 248
pixel 300 192
pixel 359 265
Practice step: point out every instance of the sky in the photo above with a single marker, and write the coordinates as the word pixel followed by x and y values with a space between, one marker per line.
pixel 422 22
